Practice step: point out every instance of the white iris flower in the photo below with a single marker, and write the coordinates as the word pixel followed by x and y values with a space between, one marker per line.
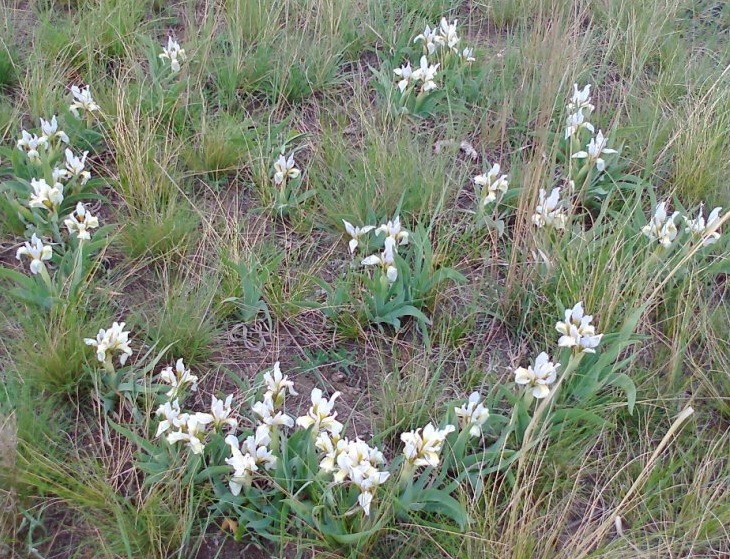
pixel 173 53
pixel 320 415
pixel 575 122
pixel 538 377
pixel 473 414
pixel 179 378
pixel 50 130
pixel 355 234
pixel 706 230
pixel 82 100
pixel 80 221
pixel 596 148
pixel 662 227
pixel 549 210
pixel 386 260
pixel 423 446
pixel 581 99
pixel 36 251
pixel 107 342
pixel 490 184
pixel 577 330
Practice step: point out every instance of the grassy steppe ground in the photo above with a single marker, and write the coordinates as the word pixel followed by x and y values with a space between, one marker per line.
pixel 202 262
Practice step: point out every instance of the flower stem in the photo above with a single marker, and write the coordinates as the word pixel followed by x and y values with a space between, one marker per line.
pixel 405 477
pixel 47 279
pixel 575 360
pixel 55 231
pixel 108 365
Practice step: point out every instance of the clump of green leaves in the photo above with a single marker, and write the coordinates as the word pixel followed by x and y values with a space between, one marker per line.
pixel 248 284
pixel 403 284
pixel 422 88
